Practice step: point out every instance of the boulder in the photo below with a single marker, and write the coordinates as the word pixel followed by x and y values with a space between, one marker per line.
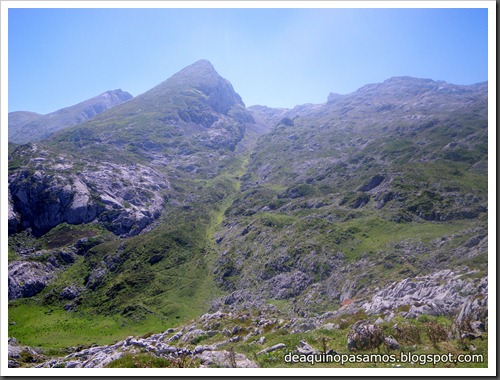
pixel 278 346
pixel 391 343
pixel 305 348
pixel 70 292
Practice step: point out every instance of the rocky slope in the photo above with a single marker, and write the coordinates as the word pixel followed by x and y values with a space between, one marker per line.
pixel 51 190
pixel 387 181
pixel 27 127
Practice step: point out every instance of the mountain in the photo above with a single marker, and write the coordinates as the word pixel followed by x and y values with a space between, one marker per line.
pixel 282 224
pixel 116 167
pixel 26 127
pixel 385 183
pixel 129 200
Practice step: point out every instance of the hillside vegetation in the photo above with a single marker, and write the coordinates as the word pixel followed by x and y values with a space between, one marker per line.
pixel 283 225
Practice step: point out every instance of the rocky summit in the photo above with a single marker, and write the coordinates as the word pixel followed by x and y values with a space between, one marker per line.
pixel 180 228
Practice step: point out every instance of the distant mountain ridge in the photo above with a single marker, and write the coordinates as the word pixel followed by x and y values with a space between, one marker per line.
pixel 27 127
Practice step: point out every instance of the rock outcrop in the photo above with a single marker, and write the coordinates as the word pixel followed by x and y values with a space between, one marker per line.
pixel 125 198
pixel 31 275
pixel 28 278
pixel 13 217
pixel 18 353
pixel 225 359
pixel 441 293
pixel 158 345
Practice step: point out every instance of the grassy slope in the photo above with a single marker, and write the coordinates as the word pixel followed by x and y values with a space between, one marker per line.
pixel 140 297
pixel 302 200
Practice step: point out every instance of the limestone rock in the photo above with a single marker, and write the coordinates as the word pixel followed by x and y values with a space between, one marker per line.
pixel 28 278
pixel 441 293
pixel 287 285
pixel 305 348
pixel 278 346
pixel 124 198
pixel 391 343
pixel 70 292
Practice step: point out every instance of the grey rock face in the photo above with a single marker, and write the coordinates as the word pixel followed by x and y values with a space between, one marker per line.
pixel 96 277
pixel 71 292
pixel 125 198
pixel 28 278
pixel 46 201
pixel 473 313
pixel 441 293
pixel 286 285
pixel 13 217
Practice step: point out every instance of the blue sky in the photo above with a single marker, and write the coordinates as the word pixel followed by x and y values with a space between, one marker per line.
pixel 275 57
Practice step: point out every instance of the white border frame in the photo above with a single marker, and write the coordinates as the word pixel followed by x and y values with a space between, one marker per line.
pixel 490 371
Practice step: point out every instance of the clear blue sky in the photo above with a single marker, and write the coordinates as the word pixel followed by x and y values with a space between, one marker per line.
pixel 275 57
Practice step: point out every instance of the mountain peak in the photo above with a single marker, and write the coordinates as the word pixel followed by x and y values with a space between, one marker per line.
pixel 202 63
pixel 200 70
pixel 194 88
pixel 114 96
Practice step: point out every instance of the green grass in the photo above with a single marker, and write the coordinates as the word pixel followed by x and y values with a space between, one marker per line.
pixel 143 360
pixel 277 220
pixel 373 234
pixel 140 361
pixel 52 328
pixel 65 234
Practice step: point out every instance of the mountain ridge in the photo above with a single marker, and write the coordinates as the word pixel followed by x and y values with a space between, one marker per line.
pixel 182 200
pixel 25 126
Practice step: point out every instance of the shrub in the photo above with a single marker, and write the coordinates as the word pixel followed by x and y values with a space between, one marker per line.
pixel 436 332
pixel 409 334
